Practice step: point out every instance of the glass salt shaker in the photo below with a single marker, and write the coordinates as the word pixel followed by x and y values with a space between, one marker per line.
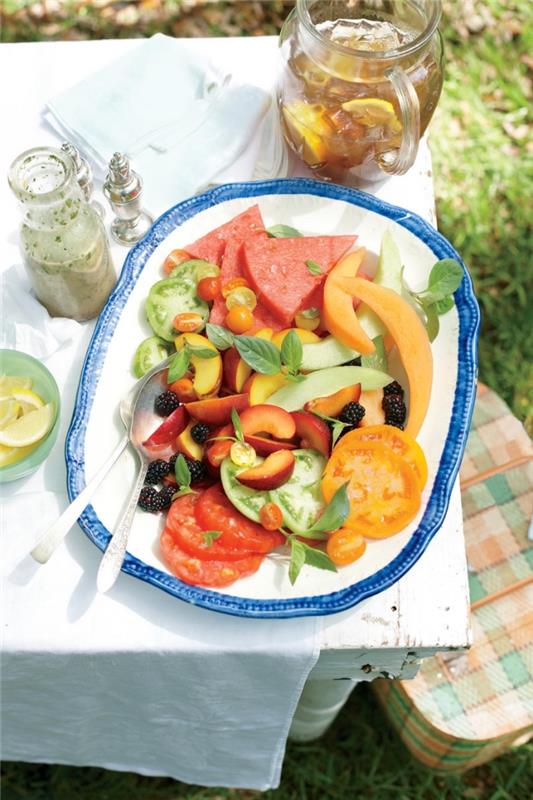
pixel 63 240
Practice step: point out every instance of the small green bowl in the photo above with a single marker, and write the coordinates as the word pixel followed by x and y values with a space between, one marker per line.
pixel 13 362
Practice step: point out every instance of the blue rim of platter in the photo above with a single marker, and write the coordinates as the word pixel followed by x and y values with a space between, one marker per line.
pixel 463 405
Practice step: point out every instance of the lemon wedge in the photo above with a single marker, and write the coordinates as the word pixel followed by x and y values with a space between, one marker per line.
pixel 8 383
pixel 28 429
pixel 8 455
pixel 307 130
pixel 28 399
pixel 372 111
pixel 9 410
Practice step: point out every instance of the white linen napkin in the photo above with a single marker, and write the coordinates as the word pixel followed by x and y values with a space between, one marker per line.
pixel 25 324
pixel 179 119
pixel 133 680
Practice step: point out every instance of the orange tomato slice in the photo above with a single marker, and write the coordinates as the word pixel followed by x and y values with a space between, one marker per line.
pixel 399 442
pixel 383 489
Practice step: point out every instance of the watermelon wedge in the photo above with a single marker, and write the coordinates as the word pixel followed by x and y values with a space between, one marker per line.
pixel 211 247
pixel 281 278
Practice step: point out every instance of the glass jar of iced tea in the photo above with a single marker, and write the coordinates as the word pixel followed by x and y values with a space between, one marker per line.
pixel 359 84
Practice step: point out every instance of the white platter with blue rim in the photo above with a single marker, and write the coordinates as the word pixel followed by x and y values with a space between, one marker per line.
pixel 315 209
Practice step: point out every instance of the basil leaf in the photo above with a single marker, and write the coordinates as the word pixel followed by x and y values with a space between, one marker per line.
pixel 444 305
pixel 179 365
pixel 445 277
pixel 237 425
pixel 221 337
pixel 432 320
pixel 292 351
pixel 338 428
pixel 181 491
pixel 295 378
pixel 182 472
pixel 317 558
pixel 260 355
pixel 335 512
pixel 297 559
pixel 203 352
pixel 316 536
pixel 377 359
pixel 282 232
pixel 313 267
pixel 210 536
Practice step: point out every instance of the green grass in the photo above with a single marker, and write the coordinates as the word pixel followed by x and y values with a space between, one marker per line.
pixel 483 168
pixel 359 757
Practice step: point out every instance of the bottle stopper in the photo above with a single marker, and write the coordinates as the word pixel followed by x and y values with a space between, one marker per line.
pixel 123 189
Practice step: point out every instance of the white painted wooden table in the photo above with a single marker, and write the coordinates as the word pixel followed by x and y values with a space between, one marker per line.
pixel 387 635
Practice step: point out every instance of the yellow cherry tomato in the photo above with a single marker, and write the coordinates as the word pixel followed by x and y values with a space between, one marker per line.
pixel 234 283
pixel 188 322
pixel 239 319
pixel 345 546
pixel 242 454
pixel 242 296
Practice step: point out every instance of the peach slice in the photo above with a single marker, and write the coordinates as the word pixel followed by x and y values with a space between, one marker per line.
pixel 263 446
pixel 217 410
pixel 262 386
pixel 374 414
pixel 236 370
pixel 272 420
pixel 305 336
pixel 207 371
pixel 218 450
pixel 332 405
pixel 166 433
pixel 264 333
pixel 186 444
pixel 313 432
pixel 275 470
pixel 338 313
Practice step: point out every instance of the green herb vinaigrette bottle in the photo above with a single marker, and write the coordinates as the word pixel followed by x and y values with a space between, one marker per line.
pixel 62 238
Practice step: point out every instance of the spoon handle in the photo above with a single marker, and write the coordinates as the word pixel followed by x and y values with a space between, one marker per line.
pixel 116 549
pixel 57 532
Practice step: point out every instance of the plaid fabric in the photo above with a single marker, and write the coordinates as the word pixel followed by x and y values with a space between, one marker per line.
pixel 463 709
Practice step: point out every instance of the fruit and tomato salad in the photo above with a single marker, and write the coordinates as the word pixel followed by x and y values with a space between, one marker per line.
pixel 287 430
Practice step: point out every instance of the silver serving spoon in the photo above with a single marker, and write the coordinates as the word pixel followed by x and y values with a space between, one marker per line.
pixel 54 535
pixel 143 422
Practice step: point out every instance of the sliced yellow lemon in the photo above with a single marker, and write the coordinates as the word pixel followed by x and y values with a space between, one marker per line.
pixel 308 129
pixel 8 455
pixel 28 399
pixel 9 410
pixel 29 428
pixel 10 382
pixel 372 111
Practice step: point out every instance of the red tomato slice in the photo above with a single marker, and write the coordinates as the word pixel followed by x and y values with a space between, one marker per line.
pixel 215 574
pixel 215 512
pixel 189 536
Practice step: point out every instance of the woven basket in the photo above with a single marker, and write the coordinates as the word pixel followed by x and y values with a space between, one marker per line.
pixel 465 708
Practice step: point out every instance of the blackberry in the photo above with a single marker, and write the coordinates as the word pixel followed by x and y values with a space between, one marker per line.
pixel 196 468
pixel 165 497
pixel 393 388
pixel 157 470
pixel 149 499
pixel 200 432
pixel 395 410
pixel 352 413
pixel 166 403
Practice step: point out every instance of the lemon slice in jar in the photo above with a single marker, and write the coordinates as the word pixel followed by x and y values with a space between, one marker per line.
pixel 372 111
pixel 307 128
pixel 27 430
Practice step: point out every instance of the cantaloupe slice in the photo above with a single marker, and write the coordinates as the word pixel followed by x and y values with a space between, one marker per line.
pixel 338 312
pixel 407 330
